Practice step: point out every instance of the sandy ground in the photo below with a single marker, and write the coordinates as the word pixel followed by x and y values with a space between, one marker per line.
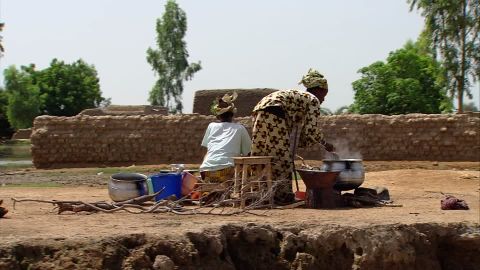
pixel 417 188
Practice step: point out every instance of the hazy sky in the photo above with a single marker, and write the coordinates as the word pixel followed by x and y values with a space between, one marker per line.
pixel 241 44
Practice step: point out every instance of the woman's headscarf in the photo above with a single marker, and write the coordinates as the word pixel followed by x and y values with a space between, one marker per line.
pixel 314 79
pixel 224 104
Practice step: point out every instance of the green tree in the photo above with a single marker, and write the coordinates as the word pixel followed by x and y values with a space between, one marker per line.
pixel 60 90
pixel 454 27
pixel 409 82
pixel 67 89
pixel 325 111
pixel 169 61
pixel 2 49
pixel 5 128
pixel 23 98
pixel 342 110
pixel 3 102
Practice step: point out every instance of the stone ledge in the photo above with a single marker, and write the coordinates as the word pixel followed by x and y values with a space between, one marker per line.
pixel 260 246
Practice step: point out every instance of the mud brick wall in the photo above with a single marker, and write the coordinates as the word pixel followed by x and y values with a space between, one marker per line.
pixel 154 139
pixel 22 134
pixel 402 137
pixel 83 141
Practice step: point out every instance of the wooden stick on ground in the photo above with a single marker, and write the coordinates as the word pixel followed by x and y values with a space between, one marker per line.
pixel 141 199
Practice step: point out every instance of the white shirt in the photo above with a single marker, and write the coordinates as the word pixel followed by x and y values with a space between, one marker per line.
pixel 224 141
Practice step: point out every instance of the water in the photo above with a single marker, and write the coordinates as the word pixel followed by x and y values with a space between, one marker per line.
pixel 15 153
pixel 15 162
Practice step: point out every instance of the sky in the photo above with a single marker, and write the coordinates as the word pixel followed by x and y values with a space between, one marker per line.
pixel 240 44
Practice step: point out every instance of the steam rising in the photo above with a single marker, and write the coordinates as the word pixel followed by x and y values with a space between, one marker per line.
pixel 343 150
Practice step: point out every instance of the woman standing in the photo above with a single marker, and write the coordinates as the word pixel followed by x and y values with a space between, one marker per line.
pixel 276 117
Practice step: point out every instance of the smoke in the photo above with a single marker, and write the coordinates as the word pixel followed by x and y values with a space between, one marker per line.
pixel 344 150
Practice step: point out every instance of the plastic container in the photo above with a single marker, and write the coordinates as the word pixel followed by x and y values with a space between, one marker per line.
pixel 172 182
pixel 188 183
pixel 300 195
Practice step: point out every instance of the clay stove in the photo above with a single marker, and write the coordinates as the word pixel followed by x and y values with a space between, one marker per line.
pixel 320 192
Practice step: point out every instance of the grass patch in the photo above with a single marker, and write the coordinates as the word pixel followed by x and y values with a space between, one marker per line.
pixel 17 142
pixel 136 169
pixel 113 170
pixel 105 171
pixel 33 185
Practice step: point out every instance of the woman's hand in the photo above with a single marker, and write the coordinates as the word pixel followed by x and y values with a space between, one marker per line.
pixel 328 146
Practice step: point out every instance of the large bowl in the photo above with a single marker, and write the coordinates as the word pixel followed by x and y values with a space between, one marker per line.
pixel 126 186
pixel 315 179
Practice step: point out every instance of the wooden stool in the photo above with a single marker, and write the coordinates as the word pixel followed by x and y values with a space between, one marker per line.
pixel 244 184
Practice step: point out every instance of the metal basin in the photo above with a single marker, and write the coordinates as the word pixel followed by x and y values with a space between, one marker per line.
pixel 352 172
pixel 315 179
pixel 126 186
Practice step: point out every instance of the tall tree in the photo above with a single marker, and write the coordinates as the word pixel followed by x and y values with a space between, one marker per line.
pixel 23 98
pixel 409 82
pixel 454 27
pixel 169 61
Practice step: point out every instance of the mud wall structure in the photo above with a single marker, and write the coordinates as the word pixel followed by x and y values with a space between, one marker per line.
pixel 22 134
pixel 126 110
pixel 251 246
pixel 154 139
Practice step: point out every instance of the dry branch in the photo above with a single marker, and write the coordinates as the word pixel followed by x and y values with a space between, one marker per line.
pixel 221 204
pixel 141 199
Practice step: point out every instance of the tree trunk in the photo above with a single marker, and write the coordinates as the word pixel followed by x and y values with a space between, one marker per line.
pixel 461 83
pixel 460 95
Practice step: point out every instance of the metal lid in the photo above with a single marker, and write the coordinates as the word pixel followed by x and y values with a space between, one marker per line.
pixel 128 177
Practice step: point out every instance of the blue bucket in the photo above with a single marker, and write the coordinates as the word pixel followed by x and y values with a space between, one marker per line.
pixel 172 182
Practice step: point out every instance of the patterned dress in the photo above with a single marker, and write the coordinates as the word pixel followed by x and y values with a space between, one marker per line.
pixel 275 119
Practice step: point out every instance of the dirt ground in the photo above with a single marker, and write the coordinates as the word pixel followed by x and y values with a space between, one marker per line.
pixel 417 186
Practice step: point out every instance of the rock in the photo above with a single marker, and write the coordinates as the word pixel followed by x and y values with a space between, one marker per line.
pixel 302 246
pixel 304 261
pixel 3 211
pixel 163 262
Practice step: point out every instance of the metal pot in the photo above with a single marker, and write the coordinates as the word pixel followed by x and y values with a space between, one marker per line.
pixel 126 186
pixel 352 172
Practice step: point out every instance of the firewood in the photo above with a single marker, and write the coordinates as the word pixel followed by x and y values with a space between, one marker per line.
pixel 141 199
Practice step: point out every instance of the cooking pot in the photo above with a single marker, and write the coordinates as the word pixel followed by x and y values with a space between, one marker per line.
pixel 352 172
pixel 126 186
